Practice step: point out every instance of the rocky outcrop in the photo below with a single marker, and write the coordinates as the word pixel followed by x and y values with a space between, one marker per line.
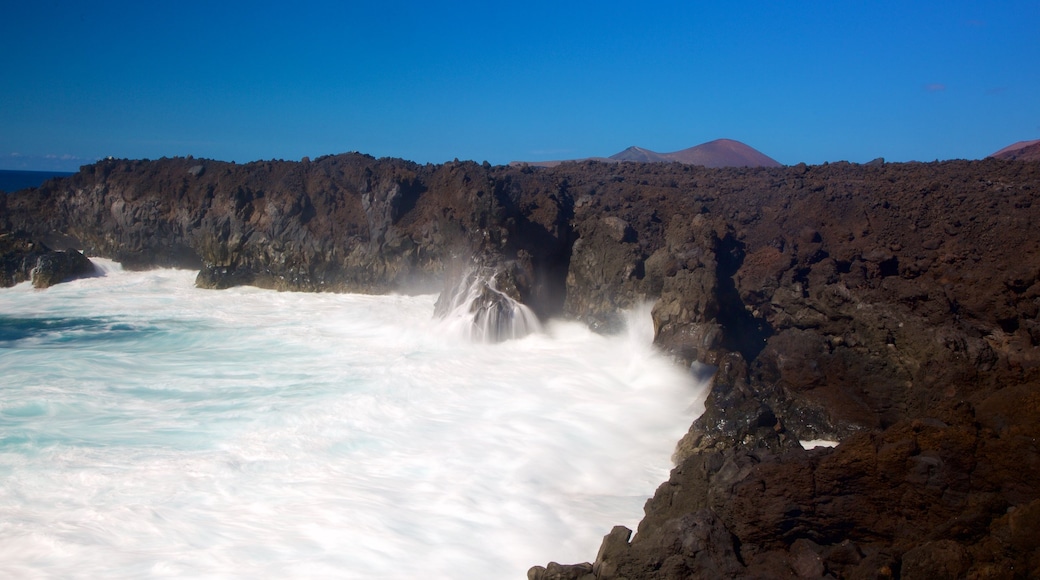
pixel 18 256
pixel 891 307
pixel 23 259
pixel 344 223
pixel 57 267
pixel 871 507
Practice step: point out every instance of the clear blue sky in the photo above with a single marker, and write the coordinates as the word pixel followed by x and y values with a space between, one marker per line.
pixel 431 81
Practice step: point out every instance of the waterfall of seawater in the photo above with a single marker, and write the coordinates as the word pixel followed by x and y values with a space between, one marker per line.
pixel 150 428
pixel 477 310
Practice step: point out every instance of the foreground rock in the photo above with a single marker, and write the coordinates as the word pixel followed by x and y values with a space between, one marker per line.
pixel 891 307
pixel 23 259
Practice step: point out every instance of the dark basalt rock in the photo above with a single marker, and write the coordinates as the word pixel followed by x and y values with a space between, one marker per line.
pixel 18 256
pixel 23 259
pixel 56 267
pixel 342 223
pixel 891 306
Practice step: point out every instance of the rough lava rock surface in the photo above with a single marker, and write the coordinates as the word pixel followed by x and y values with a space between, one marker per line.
pixel 23 259
pixel 891 307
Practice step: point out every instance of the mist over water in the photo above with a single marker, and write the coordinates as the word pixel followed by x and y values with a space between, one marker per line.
pixel 148 428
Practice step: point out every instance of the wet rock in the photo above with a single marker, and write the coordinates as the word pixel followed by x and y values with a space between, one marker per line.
pixel 56 267
pixel 22 258
pixel 483 303
pixel 18 256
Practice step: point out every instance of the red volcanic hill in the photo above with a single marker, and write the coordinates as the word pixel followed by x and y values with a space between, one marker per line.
pixel 642 155
pixel 717 153
pixel 724 153
pixel 1021 151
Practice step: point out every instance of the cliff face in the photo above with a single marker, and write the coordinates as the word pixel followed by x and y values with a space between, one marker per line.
pixel 345 223
pixel 892 307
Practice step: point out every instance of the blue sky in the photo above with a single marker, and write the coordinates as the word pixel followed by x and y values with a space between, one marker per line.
pixel 432 81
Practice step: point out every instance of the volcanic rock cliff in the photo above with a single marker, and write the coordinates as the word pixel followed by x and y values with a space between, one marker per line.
pixel 892 307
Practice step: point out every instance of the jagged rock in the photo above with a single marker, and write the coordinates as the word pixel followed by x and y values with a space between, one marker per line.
pixel 18 256
pixel 23 259
pixel 56 267
pixel 556 571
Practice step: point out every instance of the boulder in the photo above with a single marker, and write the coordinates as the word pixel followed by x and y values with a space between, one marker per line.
pixel 22 258
pixel 56 267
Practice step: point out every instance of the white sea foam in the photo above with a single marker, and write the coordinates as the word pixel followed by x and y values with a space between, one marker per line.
pixel 479 312
pixel 148 428
pixel 814 443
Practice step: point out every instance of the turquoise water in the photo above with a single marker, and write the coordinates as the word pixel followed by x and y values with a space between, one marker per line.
pixel 148 428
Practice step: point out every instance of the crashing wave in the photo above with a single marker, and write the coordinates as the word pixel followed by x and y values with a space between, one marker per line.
pixel 475 308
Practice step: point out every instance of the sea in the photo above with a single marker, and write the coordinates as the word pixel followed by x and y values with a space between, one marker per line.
pixel 15 180
pixel 150 429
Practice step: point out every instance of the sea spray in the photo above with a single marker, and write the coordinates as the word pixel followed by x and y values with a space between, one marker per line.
pixel 474 308
pixel 150 428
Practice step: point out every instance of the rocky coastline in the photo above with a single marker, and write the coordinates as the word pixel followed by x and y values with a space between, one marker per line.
pixel 889 306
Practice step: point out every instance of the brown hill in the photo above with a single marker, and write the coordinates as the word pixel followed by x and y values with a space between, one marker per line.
pixel 642 155
pixel 723 153
pixel 1021 151
pixel 717 153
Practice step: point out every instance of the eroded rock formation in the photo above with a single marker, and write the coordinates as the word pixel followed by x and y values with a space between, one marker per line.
pixel 23 259
pixel 892 307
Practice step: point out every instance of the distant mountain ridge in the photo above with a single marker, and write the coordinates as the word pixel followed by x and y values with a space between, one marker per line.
pixel 717 153
pixel 639 154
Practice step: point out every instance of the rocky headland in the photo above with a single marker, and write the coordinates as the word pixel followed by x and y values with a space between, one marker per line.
pixel 891 307
pixel 23 259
